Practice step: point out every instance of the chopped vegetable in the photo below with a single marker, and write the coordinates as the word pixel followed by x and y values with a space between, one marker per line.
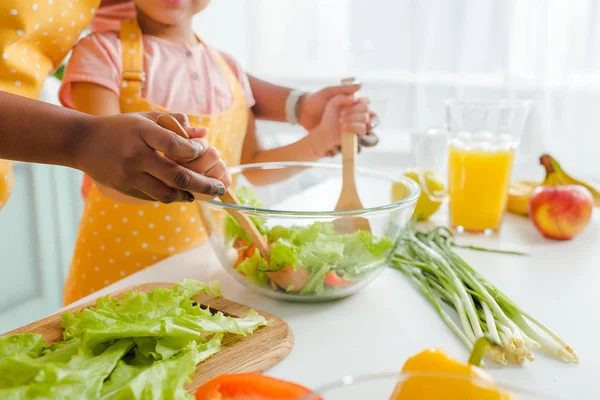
pixel 432 374
pixel 445 279
pixel 250 386
pixel 333 279
pixel 312 252
pixel 141 346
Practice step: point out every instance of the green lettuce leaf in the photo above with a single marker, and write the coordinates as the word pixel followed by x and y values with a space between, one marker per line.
pixel 283 252
pixel 141 346
pixel 316 281
pixel 232 229
pixel 138 314
pixel 163 379
pixel 79 378
pixel 29 343
pixel 321 249
pixel 254 269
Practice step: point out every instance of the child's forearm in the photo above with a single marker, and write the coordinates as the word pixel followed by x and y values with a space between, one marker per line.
pixel 298 151
pixel 270 100
pixel 39 132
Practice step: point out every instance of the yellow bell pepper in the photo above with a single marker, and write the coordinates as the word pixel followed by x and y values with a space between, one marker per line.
pixel 433 375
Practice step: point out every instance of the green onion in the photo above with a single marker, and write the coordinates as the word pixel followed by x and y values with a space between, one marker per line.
pixel 454 287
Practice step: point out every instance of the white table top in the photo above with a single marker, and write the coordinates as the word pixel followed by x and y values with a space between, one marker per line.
pixel 377 329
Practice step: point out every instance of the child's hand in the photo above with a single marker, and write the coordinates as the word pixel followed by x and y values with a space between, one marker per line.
pixel 342 113
pixel 211 165
pixel 312 105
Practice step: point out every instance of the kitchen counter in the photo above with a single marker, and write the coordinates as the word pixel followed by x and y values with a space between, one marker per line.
pixel 377 329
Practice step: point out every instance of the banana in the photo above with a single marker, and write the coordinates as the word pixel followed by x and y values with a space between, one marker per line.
pixel 555 173
pixel 519 192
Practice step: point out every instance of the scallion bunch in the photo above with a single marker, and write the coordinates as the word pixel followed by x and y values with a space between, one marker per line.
pixel 449 283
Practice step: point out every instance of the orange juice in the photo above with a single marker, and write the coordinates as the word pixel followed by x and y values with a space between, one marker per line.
pixel 478 182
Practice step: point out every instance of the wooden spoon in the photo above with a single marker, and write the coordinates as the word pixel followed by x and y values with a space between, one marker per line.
pixel 169 122
pixel 349 199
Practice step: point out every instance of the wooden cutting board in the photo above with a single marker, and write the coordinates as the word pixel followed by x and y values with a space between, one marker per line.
pixel 258 352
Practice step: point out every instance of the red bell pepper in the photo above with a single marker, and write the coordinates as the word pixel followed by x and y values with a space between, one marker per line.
pixel 255 386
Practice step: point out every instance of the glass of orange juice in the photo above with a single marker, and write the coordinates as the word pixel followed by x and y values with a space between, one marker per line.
pixel 477 147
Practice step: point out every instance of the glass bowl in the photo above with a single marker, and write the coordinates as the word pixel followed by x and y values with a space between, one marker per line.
pixel 420 386
pixel 292 203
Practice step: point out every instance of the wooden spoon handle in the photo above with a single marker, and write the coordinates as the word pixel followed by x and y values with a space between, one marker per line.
pixel 349 151
pixel 169 122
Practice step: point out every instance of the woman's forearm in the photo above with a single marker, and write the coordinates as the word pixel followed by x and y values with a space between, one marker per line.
pixel 39 132
pixel 270 100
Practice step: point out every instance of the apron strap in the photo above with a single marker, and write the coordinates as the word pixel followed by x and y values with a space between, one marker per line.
pixel 132 56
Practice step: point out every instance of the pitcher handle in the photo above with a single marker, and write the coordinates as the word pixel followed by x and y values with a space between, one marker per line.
pixel 431 152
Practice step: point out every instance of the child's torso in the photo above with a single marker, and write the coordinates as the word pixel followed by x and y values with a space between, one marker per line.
pixel 118 239
pixel 179 77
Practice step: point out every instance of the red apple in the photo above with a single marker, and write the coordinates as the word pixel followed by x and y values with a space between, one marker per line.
pixel 561 212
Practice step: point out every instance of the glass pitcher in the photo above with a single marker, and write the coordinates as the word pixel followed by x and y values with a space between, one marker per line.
pixel 477 148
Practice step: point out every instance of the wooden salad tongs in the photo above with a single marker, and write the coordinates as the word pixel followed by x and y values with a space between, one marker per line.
pixel 349 199
pixel 169 122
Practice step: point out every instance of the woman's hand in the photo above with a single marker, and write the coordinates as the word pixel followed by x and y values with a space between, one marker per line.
pixel 312 106
pixel 122 153
pixel 343 113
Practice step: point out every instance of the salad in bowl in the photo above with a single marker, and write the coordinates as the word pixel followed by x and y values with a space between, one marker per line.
pixel 310 259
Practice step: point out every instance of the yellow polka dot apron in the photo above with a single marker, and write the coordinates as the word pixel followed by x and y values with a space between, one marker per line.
pixel 117 239
pixel 35 36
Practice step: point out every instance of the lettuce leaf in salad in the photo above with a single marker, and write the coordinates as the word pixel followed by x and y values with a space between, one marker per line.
pixel 316 281
pixel 319 244
pixel 254 268
pixel 283 253
pixel 363 253
pixel 232 229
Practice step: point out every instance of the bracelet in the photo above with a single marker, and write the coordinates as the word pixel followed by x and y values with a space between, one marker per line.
pixel 291 106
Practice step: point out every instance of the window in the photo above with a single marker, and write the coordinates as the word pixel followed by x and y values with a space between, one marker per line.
pixel 414 54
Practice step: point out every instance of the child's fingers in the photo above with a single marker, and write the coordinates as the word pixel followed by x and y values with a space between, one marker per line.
pixel 196 133
pixel 332 91
pixel 364 100
pixel 357 108
pixel 217 170
pixel 342 101
pixel 355 117
pixel 226 178
pixel 202 164
pixel 360 128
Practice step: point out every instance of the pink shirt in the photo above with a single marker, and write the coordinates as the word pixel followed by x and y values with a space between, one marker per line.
pixel 179 77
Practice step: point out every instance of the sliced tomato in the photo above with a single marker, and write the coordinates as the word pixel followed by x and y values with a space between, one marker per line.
pixel 255 386
pixel 241 257
pixel 239 242
pixel 333 279
pixel 251 250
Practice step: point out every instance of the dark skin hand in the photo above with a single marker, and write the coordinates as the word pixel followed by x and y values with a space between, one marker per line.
pixel 118 151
